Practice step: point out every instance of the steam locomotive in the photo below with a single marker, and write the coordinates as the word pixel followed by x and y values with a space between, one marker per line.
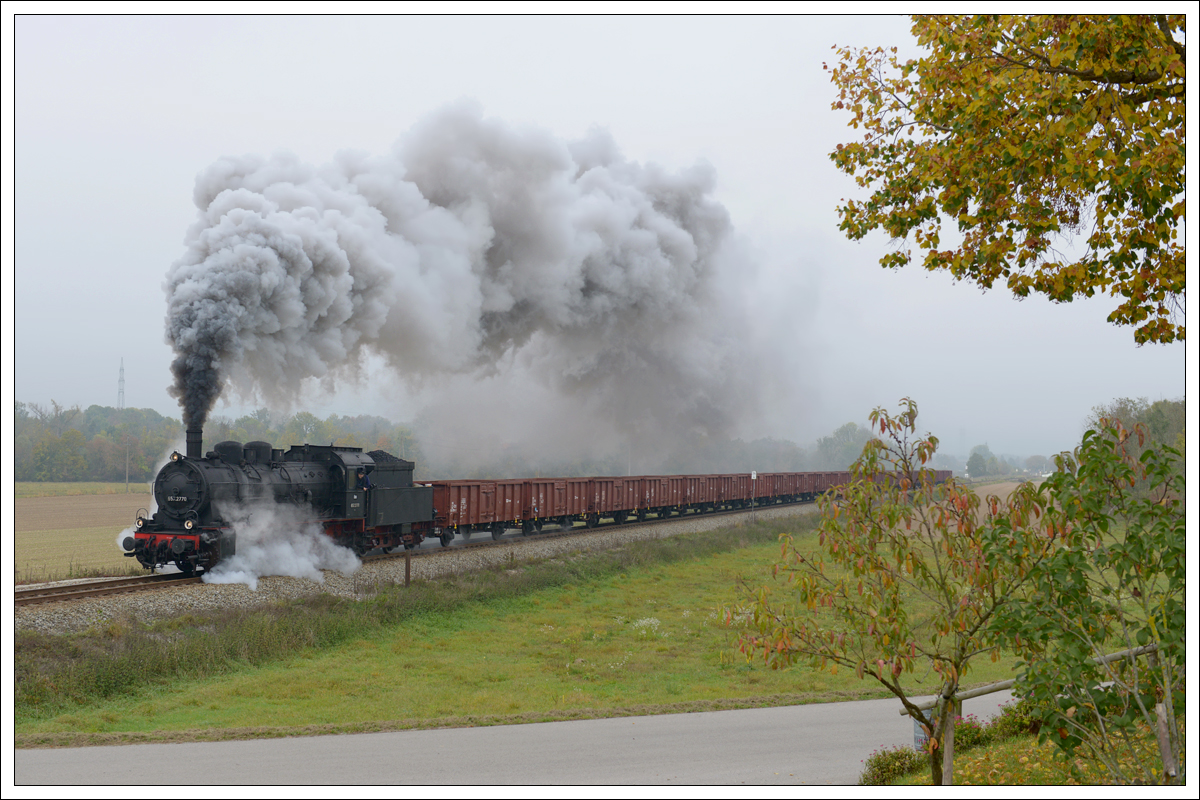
pixel 194 493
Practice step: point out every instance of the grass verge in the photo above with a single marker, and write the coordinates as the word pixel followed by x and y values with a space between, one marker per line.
pixel 1026 762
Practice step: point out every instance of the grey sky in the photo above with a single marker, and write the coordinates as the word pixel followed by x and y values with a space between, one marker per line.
pixel 115 117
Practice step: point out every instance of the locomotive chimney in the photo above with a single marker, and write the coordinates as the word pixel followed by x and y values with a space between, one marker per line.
pixel 195 439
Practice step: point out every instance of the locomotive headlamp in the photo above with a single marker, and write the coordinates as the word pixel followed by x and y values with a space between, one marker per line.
pixel 175 456
pixel 140 522
pixel 189 524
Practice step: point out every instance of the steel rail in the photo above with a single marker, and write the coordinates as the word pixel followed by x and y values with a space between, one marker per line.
pixel 98 588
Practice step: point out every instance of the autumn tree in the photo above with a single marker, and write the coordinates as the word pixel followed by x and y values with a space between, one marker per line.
pixel 60 458
pixel 1055 145
pixel 901 581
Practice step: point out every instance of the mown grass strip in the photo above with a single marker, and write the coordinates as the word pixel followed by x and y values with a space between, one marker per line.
pixel 93 739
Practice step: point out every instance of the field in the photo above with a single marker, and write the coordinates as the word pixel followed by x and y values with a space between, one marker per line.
pixel 69 536
pixel 65 489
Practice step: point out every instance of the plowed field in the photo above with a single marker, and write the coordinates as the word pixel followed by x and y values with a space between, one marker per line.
pixel 64 537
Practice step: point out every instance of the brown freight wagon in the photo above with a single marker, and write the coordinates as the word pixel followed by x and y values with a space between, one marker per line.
pixel 733 490
pixel 545 502
pixel 466 506
pixel 767 488
pixel 658 494
pixel 695 493
pixel 611 498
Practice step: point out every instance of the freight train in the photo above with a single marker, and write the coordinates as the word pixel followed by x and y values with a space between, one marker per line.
pixel 368 500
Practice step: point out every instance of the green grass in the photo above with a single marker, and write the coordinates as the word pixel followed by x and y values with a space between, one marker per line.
pixel 593 635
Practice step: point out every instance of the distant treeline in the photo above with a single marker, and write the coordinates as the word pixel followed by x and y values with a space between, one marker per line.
pixel 57 443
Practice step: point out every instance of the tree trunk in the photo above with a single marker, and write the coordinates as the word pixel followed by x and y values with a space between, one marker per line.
pixel 949 719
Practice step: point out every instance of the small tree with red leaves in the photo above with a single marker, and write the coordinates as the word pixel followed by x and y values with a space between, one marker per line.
pixel 902 578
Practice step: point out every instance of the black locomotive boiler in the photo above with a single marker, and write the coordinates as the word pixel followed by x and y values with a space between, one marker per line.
pixel 192 492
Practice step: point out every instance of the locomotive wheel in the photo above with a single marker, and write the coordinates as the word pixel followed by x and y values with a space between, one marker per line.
pixel 185 566
pixel 446 538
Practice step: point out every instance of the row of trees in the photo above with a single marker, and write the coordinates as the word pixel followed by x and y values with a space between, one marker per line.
pixel 56 443
pixel 1163 421
pixel 983 462
pixel 59 443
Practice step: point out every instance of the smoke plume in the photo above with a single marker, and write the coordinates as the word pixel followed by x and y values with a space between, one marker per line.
pixel 472 246
pixel 275 539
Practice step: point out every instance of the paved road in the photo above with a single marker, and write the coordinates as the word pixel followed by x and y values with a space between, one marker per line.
pixel 795 744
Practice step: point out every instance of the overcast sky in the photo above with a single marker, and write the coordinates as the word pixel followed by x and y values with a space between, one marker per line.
pixel 115 117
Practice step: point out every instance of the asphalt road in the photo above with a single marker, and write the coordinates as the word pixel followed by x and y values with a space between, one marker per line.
pixel 813 744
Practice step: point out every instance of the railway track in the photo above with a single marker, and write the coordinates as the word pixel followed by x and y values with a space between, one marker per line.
pixel 110 586
pixel 99 588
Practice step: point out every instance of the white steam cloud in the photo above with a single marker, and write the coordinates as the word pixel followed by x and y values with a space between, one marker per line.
pixel 278 539
pixel 472 245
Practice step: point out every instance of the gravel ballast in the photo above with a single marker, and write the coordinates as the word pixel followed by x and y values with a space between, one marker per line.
pixel 80 615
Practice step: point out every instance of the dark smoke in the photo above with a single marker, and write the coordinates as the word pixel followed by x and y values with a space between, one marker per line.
pixel 472 245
